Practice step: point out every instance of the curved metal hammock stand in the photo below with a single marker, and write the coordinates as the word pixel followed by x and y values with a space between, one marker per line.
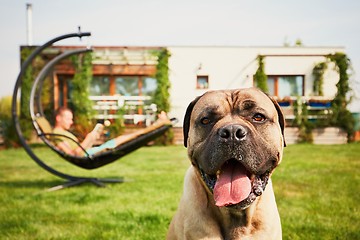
pixel 38 120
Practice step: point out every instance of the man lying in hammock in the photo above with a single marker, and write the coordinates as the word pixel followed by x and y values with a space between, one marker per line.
pixel 64 120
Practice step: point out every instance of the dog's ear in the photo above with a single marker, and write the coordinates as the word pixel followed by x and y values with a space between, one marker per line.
pixel 186 124
pixel 280 116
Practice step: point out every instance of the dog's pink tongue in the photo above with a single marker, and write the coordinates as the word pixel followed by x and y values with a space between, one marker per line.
pixel 232 185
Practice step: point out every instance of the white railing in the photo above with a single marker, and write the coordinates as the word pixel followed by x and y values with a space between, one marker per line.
pixel 107 107
pixel 318 106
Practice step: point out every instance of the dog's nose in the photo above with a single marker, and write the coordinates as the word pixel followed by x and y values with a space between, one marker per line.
pixel 233 132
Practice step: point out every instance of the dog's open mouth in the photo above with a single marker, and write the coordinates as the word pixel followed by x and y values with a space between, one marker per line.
pixel 234 186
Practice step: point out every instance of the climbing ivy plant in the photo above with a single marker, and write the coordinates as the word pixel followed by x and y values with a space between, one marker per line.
pixel 318 73
pixel 79 96
pixel 162 95
pixel 26 85
pixel 27 82
pixel 260 77
pixel 341 116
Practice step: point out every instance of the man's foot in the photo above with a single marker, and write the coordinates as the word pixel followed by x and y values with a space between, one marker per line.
pixel 163 118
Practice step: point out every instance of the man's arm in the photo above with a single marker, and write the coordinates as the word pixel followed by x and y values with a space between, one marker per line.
pixel 88 142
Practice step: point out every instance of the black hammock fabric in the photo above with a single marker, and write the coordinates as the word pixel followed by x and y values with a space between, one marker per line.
pixel 110 155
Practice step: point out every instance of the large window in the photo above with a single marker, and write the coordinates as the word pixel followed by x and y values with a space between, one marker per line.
pixel 283 86
pixel 127 86
pixel 100 86
pixel 149 86
pixel 135 86
pixel 109 85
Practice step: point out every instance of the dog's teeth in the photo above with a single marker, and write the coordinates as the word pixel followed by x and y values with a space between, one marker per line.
pixel 258 191
pixel 252 197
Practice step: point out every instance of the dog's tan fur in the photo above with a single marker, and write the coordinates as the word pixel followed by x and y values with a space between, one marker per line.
pixel 197 216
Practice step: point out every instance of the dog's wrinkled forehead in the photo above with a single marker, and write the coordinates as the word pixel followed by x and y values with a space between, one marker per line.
pixel 234 100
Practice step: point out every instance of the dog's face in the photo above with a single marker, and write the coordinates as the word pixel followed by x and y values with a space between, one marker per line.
pixel 235 141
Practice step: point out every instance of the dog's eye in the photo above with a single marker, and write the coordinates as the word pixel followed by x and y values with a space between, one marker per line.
pixel 205 121
pixel 258 117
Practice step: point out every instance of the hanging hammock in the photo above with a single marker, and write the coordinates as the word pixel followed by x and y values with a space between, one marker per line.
pixel 102 158
pixel 44 129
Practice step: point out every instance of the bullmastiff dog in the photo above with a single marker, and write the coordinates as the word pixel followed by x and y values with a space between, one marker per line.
pixel 235 141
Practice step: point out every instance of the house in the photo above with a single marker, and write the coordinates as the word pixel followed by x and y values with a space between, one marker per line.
pixel 194 70
pixel 124 76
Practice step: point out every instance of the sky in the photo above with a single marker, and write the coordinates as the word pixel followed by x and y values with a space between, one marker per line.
pixel 324 23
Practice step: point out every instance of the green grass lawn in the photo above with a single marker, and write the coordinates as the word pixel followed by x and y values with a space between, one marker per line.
pixel 317 190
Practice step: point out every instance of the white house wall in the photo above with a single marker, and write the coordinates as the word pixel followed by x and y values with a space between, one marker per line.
pixel 234 67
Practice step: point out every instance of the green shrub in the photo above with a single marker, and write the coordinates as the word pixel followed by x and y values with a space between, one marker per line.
pixel 301 120
pixel 260 77
pixel 7 124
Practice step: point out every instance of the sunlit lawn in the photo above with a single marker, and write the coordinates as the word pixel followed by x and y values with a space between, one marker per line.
pixel 317 190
